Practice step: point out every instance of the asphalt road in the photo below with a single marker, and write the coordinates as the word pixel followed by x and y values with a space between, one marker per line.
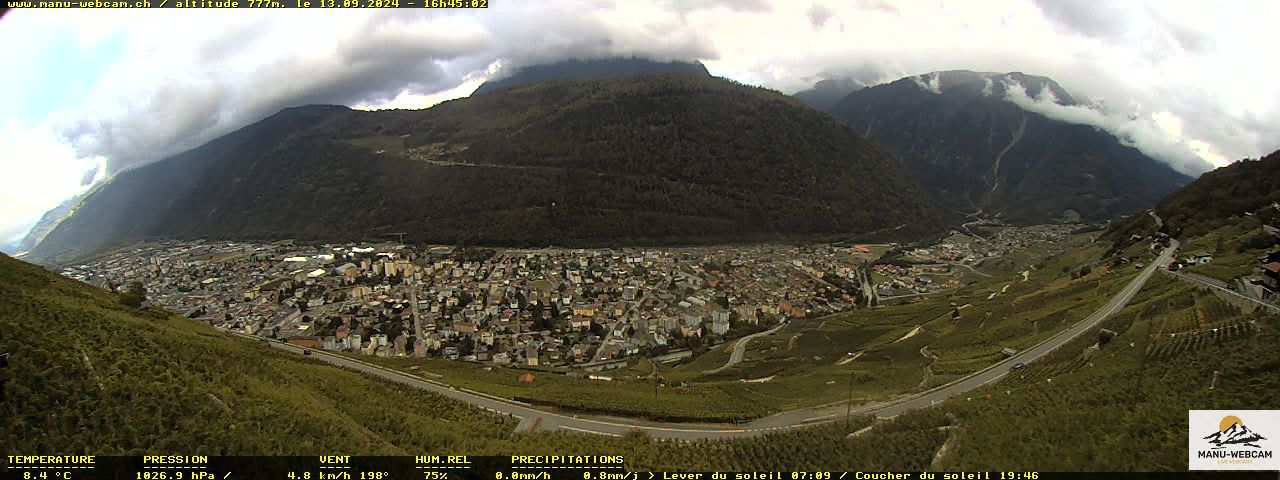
pixel 1218 285
pixel 549 420
pixel 740 348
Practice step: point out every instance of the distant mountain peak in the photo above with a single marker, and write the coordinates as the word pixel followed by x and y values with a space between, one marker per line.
pixel 826 92
pixel 966 82
pixel 971 139
pixel 596 69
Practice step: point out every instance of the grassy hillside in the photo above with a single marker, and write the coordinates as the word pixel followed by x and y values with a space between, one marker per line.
pixel 1247 186
pixel 1243 195
pixel 1124 406
pixel 89 375
pixel 808 362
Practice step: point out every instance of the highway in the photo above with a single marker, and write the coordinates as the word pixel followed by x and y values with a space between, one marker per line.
pixel 548 419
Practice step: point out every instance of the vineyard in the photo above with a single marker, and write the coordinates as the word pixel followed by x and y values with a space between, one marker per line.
pixel 1093 403
pixel 805 362
pixel 906 443
pixel 88 375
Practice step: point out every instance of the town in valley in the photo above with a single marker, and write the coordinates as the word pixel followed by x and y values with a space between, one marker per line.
pixel 535 307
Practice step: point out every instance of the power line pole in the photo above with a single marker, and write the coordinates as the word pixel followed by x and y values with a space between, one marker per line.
pixel 848 412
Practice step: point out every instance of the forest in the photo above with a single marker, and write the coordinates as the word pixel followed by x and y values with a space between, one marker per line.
pixel 1245 187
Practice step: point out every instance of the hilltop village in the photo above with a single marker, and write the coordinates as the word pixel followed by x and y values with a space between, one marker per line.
pixel 523 307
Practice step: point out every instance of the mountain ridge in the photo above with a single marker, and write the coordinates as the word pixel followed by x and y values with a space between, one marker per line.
pixel 656 159
pixel 981 154
pixel 582 70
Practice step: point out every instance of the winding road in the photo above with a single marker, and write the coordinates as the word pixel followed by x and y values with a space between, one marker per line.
pixel 547 419
pixel 740 348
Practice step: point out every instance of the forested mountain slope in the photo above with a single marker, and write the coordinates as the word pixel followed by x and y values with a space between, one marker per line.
pixel 977 151
pixel 655 159
pixel 598 69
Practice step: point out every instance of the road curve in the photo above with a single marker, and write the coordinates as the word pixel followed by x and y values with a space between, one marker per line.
pixel 550 420
pixel 740 348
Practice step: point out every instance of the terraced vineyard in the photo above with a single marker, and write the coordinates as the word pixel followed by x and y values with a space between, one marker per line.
pixel 89 375
pixel 811 362
pixel 1093 403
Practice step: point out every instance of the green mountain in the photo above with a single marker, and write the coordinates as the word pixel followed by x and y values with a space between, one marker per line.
pixel 978 152
pixel 654 159
pixel 600 69
pixel 1247 186
pixel 1232 202
pixel 827 92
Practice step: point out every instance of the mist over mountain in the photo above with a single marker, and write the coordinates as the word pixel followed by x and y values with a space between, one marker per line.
pixel 667 158
pixel 827 92
pixel 961 135
pixel 600 69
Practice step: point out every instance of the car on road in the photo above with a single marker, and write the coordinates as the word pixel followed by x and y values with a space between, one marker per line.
pixel 306 352
pixel 1017 366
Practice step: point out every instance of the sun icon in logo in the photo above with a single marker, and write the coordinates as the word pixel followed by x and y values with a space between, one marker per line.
pixel 1228 421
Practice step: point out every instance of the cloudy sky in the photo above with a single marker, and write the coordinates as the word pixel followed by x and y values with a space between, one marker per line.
pixel 92 92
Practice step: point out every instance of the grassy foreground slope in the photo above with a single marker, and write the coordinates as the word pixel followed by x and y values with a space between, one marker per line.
pixel 89 375
pixel 1123 405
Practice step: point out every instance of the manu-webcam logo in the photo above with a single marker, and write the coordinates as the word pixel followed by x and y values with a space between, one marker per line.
pixel 1232 440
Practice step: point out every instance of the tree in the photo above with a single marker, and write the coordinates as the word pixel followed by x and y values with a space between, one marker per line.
pixel 134 295
pixel 467 346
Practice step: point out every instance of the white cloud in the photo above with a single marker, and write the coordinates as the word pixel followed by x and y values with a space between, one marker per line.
pixel 42 170
pixel 1158 135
